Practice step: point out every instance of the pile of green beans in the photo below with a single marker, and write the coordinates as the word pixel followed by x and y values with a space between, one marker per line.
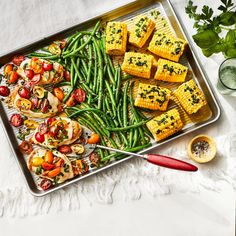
pixel 109 108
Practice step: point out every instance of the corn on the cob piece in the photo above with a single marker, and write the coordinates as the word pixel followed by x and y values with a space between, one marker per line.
pixel 190 97
pixel 137 64
pixel 152 97
pixel 141 30
pixel 165 125
pixel 167 46
pixel 170 71
pixel 116 38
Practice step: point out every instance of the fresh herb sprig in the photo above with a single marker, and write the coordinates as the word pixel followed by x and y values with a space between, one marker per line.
pixel 212 28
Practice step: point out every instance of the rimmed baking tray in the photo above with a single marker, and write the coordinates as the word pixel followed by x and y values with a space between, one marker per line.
pixel 123 13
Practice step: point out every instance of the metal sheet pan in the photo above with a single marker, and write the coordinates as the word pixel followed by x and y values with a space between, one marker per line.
pixel 125 12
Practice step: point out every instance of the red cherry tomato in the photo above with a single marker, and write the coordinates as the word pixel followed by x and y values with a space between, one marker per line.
pixel 47 66
pixel 29 73
pixel 35 102
pixel 12 77
pixel 16 120
pixel 43 129
pixel 45 184
pixel 4 91
pixel 24 92
pixel 65 149
pixel 18 59
pixel 66 75
pixel 45 105
pixel 80 95
pixel 39 137
pixel 53 130
pixel 26 147
pixel 50 120
pixel 47 166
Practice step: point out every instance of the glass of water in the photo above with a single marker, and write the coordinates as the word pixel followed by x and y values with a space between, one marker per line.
pixel 227 77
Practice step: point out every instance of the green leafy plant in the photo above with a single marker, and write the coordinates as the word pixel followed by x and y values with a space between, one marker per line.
pixel 215 33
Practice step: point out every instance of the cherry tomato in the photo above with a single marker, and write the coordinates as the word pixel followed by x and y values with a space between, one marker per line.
pixel 18 59
pixel 71 101
pixel 53 130
pixel 4 91
pixel 50 120
pixel 26 147
pixel 35 102
pixel 60 108
pixel 58 93
pixel 39 137
pixel 29 73
pixel 16 120
pixel 48 157
pixel 45 184
pixel 23 104
pixel 66 75
pixel 54 173
pixel 47 166
pixel 45 105
pixel 59 163
pixel 47 66
pixel 12 77
pixel 43 129
pixel 36 79
pixel 36 65
pixel 8 68
pixel 80 95
pixel 54 49
pixel 62 43
pixel 65 149
pixel 93 139
pixel 24 92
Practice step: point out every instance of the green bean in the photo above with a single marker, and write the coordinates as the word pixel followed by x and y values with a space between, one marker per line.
pixel 43 56
pixel 125 106
pixel 118 83
pixel 63 83
pixel 90 64
pixel 81 111
pixel 135 140
pixel 113 103
pixel 68 94
pixel 128 127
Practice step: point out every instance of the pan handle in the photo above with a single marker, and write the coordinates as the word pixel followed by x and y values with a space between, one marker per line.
pixel 169 162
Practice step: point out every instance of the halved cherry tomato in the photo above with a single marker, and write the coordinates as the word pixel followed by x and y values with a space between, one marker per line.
pixel 45 105
pixel 38 91
pixel 48 157
pixel 58 93
pixel 4 91
pixel 36 78
pixel 53 130
pixel 50 120
pixel 29 73
pixel 60 108
pixel 71 101
pixel 54 49
pixel 31 124
pixel 24 104
pixel 43 129
pixel 62 43
pixel 39 137
pixel 45 184
pixel 59 163
pixel 66 75
pixel 18 59
pixel 8 68
pixel 47 66
pixel 24 92
pixel 93 139
pixel 54 173
pixel 36 161
pixel 80 95
pixel 16 120
pixel 65 149
pixel 47 166
pixel 35 102
pixel 36 65
pixel 12 77
pixel 26 147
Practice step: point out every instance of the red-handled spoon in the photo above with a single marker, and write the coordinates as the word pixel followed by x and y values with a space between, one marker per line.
pixel 157 159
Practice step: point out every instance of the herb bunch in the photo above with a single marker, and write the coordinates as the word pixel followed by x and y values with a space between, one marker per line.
pixel 215 33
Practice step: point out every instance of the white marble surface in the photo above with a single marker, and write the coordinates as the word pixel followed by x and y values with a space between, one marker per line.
pixel 202 213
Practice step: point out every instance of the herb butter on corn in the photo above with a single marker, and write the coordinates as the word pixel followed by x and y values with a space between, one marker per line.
pixel 152 97
pixel 138 64
pixel 167 46
pixel 165 125
pixel 190 97
pixel 116 38
pixel 170 71
pixel 141 30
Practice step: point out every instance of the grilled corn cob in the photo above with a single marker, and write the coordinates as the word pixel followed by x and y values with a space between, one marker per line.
pixel 190 97
pixel 152 97
pixel 167 46
pixel 141 30
pixel 170 71
pixel 116 38
pixel 165 125
pixel 137 64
